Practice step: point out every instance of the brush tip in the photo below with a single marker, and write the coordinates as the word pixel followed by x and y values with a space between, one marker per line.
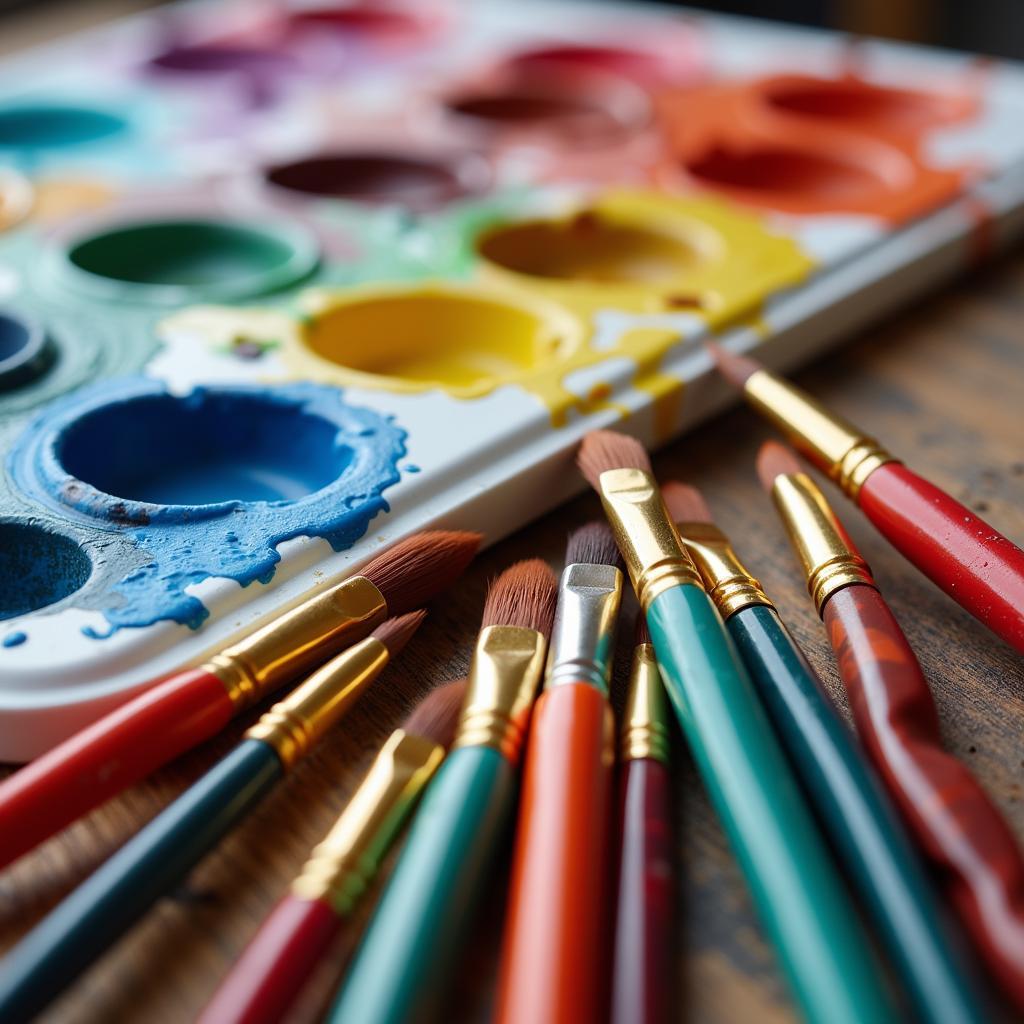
pixel 415 570
pixel 685 504
pixel 395 633
pixel 774 460
pixel 436 717
pixel 523 595
pixel 734 368
pixel 593 544
pixel 602 450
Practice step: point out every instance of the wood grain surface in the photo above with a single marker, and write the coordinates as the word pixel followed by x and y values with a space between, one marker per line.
pixel 943 385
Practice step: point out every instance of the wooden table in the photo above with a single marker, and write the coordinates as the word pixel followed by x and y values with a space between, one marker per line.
pixel 943 385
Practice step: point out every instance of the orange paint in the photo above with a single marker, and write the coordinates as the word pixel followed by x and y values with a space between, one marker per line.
pixel 805 145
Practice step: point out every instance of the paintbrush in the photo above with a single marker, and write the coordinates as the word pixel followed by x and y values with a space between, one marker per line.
pixel 802 900
pixel 977 566
pixel 194 704
pixel 955 823
pixel 553 960
pixel 270 975
pixel 862 825
pixel 81 928
pixel 645 892
pixel 411 949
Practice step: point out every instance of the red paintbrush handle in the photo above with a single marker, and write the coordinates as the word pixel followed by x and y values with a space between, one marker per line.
pixel 107 756
pixel 952 817
pixel 978 567
pixel 271 973
pixel 553 955
pixel 643 926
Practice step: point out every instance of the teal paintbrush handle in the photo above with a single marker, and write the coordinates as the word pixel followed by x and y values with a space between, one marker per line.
pixel 414 941
pixel 863 826
pixel 801 898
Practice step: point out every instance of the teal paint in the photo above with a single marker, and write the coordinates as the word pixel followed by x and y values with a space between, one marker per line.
pixel 29 127
pixel 38 568
pixel 210 483
pixel 14 639
pixel 415 940
pixel 800 896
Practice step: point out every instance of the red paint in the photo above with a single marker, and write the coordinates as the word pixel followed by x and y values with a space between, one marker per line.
pixel 108 756
pixel 553 967
pixel 271 973
pixel 979 568
pixel 643 926
pixel 959 828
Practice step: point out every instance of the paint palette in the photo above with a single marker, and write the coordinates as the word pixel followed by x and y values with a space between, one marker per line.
pixel 282 284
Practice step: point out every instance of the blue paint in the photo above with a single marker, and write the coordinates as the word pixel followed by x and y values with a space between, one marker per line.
pixel 411 467
pixel 38 126
pixel 14 639
pixel 37 568
pixel 208 484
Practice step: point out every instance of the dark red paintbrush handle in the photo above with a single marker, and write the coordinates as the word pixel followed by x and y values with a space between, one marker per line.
pixel 643 928
pixel 271 973
pixel 108 756
pixel 978 567
pixel 953 819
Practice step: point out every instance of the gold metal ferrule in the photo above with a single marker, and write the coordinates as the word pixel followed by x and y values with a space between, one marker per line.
pixel 726 580
pixel 829 558
pixel 835 446
pixel 655 557
pixel 645 721
pixel 296 642
pixel 296 724
pixel 507 666
pixel 341 868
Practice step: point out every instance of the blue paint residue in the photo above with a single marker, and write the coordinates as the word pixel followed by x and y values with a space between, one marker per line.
pixel 411 467
pixel 14 639
pixel 207 485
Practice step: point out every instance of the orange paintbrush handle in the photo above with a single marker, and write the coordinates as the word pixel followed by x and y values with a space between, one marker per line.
pixel 557 930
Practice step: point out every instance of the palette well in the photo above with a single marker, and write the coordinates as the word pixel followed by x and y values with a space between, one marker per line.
pixel 335 278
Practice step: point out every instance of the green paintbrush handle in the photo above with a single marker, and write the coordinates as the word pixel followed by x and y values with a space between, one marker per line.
pixel 414 940
pixel 800 896
pixel 863 826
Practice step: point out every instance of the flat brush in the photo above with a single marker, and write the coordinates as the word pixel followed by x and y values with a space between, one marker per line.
pixel 75 934
pixel 190 706
pixel 955 823
pixel 641 962
pixel 553 959
pixel 863 826
pixel 268 978
pixel 411 949
pixel 800 896
pixel 977 566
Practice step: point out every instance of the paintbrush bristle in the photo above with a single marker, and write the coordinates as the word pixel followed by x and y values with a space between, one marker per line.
pixel 593 544
pixel 774 460
pixel 685 504
pixel 395 633
pixel 642 634
pixel 437 715
pixel 602 450
pixel 735 369
pixel 523 595
pixel 416 569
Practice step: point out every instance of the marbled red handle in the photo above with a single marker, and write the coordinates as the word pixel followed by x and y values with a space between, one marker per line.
pixel 643 928
pixel 977 566
pixel 957 825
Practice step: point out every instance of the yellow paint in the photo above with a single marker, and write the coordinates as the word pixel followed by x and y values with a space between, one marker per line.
pixel 628 251
pixel 645 252
pixel 15 198
pixel 58 199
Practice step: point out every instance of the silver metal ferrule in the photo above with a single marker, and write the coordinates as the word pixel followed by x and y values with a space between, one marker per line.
pixel 583 636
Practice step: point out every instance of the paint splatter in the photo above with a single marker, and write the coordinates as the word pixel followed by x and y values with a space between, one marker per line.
pixel 300 459
pixel 14 639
